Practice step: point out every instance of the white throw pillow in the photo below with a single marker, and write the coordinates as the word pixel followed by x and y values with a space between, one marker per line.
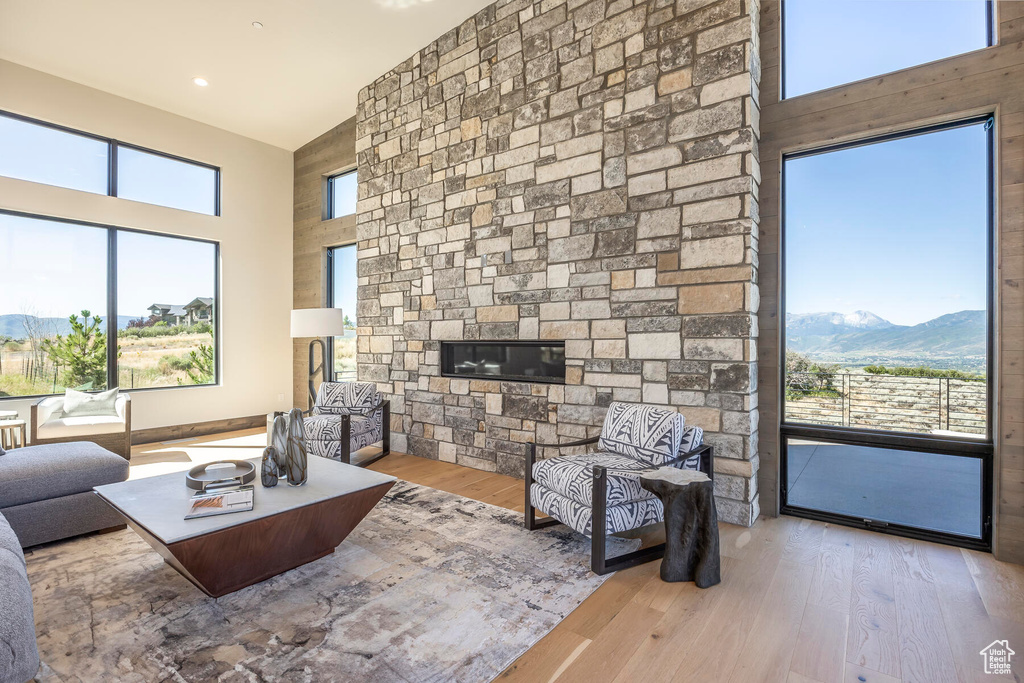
pixel 81 404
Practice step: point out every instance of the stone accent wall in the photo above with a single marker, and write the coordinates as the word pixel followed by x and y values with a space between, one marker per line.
pixel 572 170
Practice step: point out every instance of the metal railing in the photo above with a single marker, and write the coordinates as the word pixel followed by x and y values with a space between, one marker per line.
pixel 888 402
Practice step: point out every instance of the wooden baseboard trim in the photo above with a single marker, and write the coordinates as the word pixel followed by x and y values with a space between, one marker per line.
pixel 187 431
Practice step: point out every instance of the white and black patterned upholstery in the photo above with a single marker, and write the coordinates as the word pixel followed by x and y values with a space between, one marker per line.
pixel 328 427
pixel 333 400
pixel 563 486
pixel 649 434
pixel 692 438
pixel 581 517
pixel 572 476
pixel 345 398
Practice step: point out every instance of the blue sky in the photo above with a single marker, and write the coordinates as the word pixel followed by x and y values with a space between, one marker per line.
pixel 831 42
pixel 896 228
pixel 345 280
pixel 55 269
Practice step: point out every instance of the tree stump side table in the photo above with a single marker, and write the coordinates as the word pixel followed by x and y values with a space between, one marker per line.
pixel 691 525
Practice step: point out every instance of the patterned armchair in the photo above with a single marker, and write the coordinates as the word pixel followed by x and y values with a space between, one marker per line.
pixel 599 493
pixel 348 416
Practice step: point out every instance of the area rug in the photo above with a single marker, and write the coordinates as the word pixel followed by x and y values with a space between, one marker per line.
pixel 429 587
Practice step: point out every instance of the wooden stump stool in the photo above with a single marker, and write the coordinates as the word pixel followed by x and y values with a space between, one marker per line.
pixel 691 525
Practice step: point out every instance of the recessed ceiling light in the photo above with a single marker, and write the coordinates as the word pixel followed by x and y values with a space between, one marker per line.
pixel 200 81
pixel 257 24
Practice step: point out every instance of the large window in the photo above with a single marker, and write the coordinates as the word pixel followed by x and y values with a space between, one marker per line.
pixel 44 153
pixel 828 43
pixel 886 287
pixel 53 156
pixel 53 279
pixel 62 299
pixel 168 305
pixel 342 281
pixel 342 193
pixel 158 179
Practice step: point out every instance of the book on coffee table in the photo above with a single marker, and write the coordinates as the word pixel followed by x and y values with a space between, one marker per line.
pixel 221 502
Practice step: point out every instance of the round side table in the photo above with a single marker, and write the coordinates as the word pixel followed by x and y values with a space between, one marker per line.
pixel 691 525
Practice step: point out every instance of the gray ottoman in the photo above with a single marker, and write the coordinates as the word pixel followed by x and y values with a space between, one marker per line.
pixel 19 658
pixel 46 491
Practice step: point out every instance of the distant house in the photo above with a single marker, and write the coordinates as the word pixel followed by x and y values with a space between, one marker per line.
pixel 167 313
pixel 199 310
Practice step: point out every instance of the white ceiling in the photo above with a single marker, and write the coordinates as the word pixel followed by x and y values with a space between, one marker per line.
pixel 283 84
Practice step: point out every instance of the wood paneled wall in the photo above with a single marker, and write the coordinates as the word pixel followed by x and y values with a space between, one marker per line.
pixel 985 81
pixel 331 153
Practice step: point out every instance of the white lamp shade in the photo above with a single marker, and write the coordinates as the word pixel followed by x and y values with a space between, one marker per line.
pixel 318 322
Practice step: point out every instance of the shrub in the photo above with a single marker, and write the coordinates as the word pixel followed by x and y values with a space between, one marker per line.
pixel 162 329
pixel 921 371
pixel 169 364
pixel 202 365
pixel 807 378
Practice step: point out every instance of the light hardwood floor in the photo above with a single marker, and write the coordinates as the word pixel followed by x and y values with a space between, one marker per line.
pixel 800 601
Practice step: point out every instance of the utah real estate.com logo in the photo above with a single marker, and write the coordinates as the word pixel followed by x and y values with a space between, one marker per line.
pixel 997 657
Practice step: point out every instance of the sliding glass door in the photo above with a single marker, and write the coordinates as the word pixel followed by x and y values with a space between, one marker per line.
pixel 886 306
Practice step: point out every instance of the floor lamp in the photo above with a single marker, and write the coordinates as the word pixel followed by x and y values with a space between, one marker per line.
pixel 317 323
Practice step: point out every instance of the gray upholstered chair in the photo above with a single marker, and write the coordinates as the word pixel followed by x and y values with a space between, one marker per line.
pixel 348 416
pixel 599 493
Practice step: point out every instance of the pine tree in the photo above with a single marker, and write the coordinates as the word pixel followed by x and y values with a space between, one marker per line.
pixel 82 353
pixel 201 370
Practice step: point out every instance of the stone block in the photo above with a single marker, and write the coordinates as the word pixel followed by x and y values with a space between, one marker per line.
pixel 713 349
pixel 719 298
pixel 659 223
pixel 608 329
pixel 619 27
pixel 575 248
pixel 609 348
pixel 717 251
pixel 593 309
pixel 525 407
pixel 655 345
pixel 565 330
pixel 655 159
pixel 446 330
pixel 493 314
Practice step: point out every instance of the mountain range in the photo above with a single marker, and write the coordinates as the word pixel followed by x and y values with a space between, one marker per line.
pixel 952 340
pixel 13 324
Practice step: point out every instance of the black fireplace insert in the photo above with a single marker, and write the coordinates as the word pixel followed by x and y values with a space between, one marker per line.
pixel 520 361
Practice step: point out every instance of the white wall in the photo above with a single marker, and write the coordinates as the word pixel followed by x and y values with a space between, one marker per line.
pixel 254 231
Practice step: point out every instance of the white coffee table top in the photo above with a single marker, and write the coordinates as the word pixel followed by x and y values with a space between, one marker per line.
pixel 160 503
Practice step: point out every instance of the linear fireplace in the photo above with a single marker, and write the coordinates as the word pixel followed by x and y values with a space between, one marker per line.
pixel 520 361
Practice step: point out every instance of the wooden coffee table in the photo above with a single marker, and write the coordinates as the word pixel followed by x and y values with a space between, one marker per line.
pixel 287 527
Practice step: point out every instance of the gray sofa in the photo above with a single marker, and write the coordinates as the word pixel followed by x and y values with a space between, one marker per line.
pixel 46 491
pixel 19 658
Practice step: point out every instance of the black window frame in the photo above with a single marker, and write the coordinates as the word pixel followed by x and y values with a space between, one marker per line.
pixel 990 39
pixel 112 146
pixel 983 449
pixel 112 316
pixel 329 208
